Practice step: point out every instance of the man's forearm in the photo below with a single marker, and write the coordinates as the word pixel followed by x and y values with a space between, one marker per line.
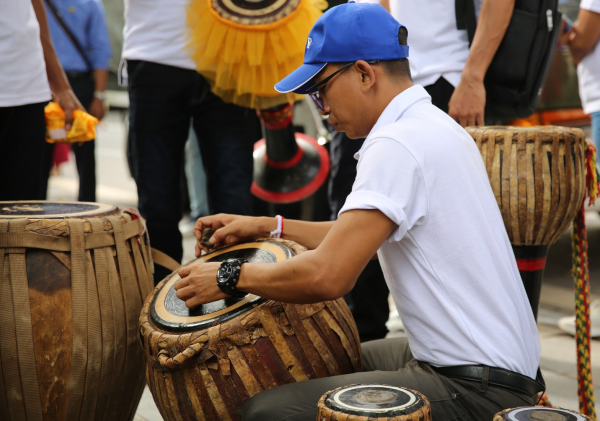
pixel 309 234
pixel 100 80
pixel 328 272
pixel 587 34
pixel 492 24
pixel 56 75
pixel 300 280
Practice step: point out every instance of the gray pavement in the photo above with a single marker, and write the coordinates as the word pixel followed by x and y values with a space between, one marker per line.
pixel 115 186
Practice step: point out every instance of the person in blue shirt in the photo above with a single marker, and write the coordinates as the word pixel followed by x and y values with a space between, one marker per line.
pixel 88 75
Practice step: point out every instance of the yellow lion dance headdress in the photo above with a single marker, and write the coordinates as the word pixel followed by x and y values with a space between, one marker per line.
pixel 244 47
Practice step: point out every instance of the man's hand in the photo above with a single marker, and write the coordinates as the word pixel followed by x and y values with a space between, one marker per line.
pixel 467 104
pixel 563 36
pixel 96 108
pixel 198 284
pixel 69 103
pixel 231 229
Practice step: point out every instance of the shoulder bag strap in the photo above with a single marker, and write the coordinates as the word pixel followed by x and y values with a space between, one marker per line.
pixel 466 17
pixel 70 34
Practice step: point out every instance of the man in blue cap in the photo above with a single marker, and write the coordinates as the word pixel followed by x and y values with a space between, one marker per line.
pixel 421 202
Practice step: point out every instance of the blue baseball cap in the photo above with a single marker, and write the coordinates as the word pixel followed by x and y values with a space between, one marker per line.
pixel 346 33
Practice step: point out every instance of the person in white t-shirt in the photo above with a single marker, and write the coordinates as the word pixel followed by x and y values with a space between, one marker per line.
pixel 422 203
pixel 584 42
pixel 29 73
pixel 166 93
pixel 441 60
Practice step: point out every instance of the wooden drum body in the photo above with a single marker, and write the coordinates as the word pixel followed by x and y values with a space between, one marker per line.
pixel 373 402
pixel 73 277
pixel 203 364
pixel 537 413
pixel 537 175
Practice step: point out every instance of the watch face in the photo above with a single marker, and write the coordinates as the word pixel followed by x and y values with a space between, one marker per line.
pixel 225 272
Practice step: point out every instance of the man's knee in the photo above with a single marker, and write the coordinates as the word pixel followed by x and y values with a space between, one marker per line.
pixel 258 408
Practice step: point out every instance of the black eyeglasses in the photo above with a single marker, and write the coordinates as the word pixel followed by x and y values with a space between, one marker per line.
pixel 313 91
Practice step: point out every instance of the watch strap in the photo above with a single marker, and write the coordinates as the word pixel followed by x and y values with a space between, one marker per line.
pixel 229 284
pixel 100 95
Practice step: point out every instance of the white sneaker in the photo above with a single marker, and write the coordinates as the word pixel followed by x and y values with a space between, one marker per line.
pixel 567 324
pixel 394 323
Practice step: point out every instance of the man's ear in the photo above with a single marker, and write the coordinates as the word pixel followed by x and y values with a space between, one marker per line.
pixel 367 74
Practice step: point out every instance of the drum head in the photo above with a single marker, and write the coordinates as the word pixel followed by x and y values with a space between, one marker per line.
pixel 372 400
pixel 170 313
pixel 542 414
pixel 39 209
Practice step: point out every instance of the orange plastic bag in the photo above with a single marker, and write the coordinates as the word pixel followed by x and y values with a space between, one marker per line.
pixel 82 130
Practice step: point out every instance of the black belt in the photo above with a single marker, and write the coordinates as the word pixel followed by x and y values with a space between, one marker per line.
pixel 496 376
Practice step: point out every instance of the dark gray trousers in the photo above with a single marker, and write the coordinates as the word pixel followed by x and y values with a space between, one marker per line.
pixel 388 361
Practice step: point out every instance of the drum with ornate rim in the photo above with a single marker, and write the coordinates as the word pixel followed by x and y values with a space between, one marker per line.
pixel 538 413
pixel 204 363
pixel 73 277
pixel 373 402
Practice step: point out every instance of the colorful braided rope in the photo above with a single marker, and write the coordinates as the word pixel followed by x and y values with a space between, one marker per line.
pixel 585 386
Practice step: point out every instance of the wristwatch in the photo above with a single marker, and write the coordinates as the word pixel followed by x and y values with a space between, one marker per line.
pixel 229 275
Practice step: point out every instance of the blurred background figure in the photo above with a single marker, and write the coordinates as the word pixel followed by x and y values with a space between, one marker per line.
pixel 165 92
pixel 80 37
pixel 583 42
pixel 196 183
pixel 29 70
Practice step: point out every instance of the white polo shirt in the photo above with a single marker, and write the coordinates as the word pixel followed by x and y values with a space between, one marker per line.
pixel 23 77
pixel 588 71
pixel 155 31
pixel 448 263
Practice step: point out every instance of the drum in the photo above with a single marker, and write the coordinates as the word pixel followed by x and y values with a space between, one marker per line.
pixel 538 177
pixel 73 277
pixel 203 364
pixel 373 402
pixel 538 413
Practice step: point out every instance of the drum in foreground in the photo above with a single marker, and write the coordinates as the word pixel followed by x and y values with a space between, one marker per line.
pixel 538 177
pixel 203 364
pixel 73 277
pixel 538 413
pixel 373 402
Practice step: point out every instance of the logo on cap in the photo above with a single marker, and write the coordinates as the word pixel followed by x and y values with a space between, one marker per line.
pixel 308 43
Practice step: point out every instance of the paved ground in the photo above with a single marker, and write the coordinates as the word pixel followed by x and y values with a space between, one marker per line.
pixel 558 349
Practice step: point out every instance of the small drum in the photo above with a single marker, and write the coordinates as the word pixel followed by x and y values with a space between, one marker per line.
pixel 203 364
pixel 538 177
pixel 538 413
pixel 73 277
pixel 373 402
